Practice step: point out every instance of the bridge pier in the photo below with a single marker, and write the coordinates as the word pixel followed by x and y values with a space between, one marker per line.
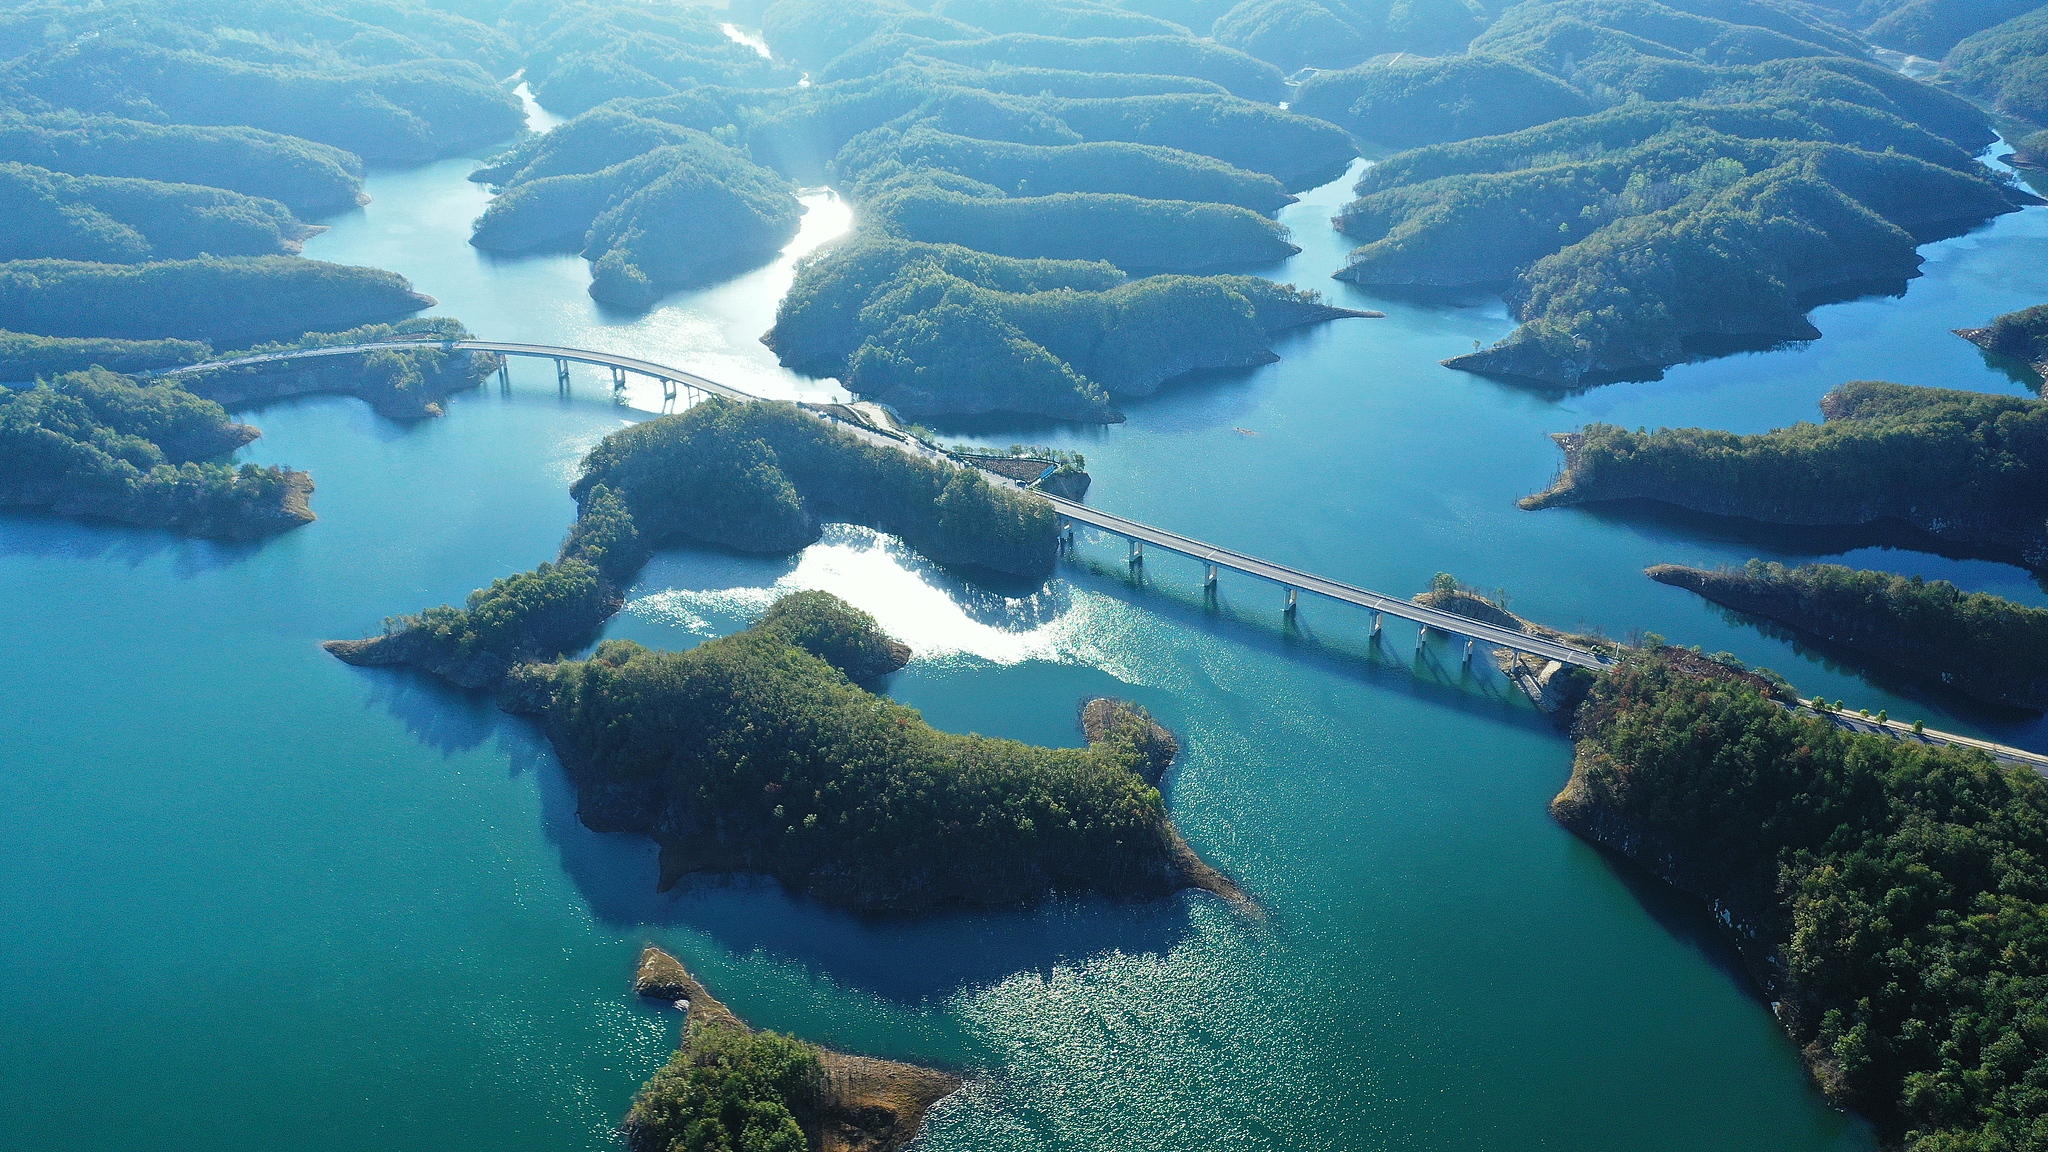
pixel 561 377
pixel 1468 653
pixel 1137 552
pixel 1375 625
pixel 1289 612
pixel 1209 580
pixel 1421 635
pixel 668 390
pixel 505 374
pixel 618 379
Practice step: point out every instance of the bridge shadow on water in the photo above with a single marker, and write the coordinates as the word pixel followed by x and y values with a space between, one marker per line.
pixel 915 959
pixel 1325 635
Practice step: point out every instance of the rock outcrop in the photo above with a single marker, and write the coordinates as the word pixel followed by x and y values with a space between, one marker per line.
pixel 855 1104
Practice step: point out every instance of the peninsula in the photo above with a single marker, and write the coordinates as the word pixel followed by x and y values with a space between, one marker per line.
pixel 940 329
pixel 768 1091
pixel 2021 335
pixel 757 477
pixel 1884 893
pixel 1984 646
pixel 1964 468
pixel 758 752
pixel 98 445
pixel 399 383
pixel 1689 198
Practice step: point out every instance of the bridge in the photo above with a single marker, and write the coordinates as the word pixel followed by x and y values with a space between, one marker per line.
pixel 1138 534
pixel 670 379
pixel 1295 580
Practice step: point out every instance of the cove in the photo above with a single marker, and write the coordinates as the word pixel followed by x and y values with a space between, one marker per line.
pixel 263 898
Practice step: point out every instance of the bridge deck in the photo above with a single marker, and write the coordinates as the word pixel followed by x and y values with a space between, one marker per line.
pixel 543 351
pixel 1309 582
pixel 1109 522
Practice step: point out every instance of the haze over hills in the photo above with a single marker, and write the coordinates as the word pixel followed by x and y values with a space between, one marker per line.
pixel 1061 207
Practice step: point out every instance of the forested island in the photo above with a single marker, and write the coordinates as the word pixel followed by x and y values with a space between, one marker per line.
pixel 400 383
pixel 652 739
pixel 394 98
pixel 939 328
pixel 1963 468
pixel 95 444
pixel 730 1087
pixel 2021 335
pixel 650 204
pixel 1981 645
pixel 157 165
pixel 759 477
pixel 1015 140
pixel 1883 892
pixel 1729 170
pixel 757 753
pixel 1646 184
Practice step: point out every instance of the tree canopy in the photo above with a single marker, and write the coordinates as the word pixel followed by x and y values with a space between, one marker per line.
pixel 1889 893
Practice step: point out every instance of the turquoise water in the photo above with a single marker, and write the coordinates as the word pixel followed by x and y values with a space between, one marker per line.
pixel 258 898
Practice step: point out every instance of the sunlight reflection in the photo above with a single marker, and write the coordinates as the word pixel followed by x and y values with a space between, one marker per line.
pixel 912 600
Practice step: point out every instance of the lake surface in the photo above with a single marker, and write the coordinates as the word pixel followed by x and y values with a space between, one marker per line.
pixel 261 899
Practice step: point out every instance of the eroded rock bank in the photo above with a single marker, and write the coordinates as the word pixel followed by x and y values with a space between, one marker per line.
pixel 98 445
pixel 2021 335
pixel 837 1102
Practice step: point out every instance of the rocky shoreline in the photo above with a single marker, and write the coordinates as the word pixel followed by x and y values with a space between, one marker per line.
pixel 854 1103
pixel 702 844
pixel 2021 335
pixel 403 389
pixel 174 508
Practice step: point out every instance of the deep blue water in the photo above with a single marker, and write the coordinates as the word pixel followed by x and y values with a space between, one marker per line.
pixel 258 898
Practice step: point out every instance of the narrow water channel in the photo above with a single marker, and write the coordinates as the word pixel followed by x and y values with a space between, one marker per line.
pixel 280 901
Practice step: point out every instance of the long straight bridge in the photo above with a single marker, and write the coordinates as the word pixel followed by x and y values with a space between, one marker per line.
pixel 1293 579
pixel 1138 534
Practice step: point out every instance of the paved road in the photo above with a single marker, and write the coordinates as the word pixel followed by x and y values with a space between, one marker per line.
pixel 1308 582
pixel 1898 730
pixel 1131 529
pixel 544 351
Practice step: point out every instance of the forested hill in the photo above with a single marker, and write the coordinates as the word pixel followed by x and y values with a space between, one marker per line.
pixel 1887 894
pixel 1963 467
pixel 162 163
pixel 991 138
pixel 1661 182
